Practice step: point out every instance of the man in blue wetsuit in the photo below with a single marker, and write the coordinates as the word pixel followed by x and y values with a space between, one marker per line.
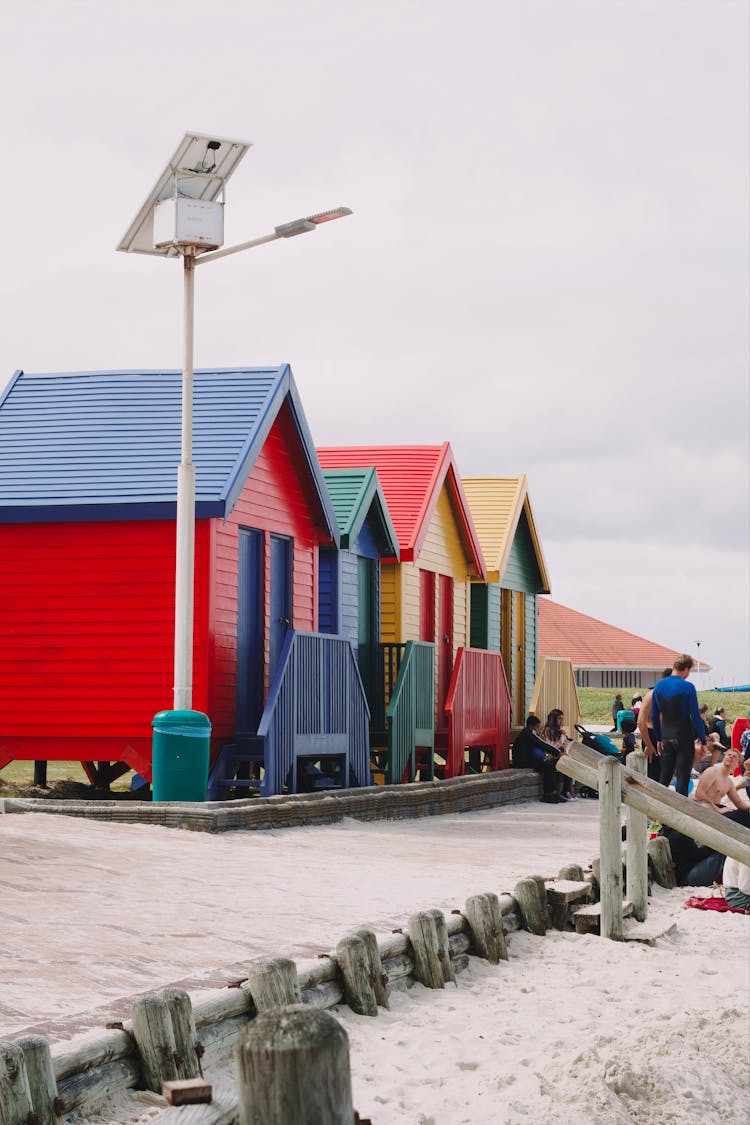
pixel 677 723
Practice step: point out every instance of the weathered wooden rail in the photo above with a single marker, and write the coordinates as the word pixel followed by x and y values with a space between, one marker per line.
pixel 629 784
pixel 168 1037
pixel 663 804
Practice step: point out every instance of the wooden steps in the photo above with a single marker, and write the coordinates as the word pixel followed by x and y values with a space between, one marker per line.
pixel 587 919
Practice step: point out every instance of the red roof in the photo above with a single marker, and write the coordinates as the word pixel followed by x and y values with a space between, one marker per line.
pixel 589 643
pixel 412 477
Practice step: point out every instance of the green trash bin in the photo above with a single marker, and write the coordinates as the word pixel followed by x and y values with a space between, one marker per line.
pixel 180 752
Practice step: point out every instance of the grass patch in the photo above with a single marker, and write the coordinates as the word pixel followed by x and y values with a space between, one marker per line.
pixel 22 773
pixel 596 703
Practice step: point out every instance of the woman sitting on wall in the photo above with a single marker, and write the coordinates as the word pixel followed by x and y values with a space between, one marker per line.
pixel 530 753
pixel 557 736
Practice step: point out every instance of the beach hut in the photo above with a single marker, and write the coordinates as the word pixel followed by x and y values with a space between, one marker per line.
pixel 425 593
pixel 504 608
pixel 87 559
pixel 349 585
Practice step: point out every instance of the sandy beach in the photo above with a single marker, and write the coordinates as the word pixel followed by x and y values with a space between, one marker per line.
pixel 570 1029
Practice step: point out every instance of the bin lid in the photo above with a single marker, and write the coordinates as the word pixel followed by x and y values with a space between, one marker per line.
pixel 179 720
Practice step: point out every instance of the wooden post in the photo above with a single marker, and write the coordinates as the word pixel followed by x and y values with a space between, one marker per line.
pixel 637 847
pixel 293 1069
pixel 152 1028
pixel 610 841
pixel 185 1036
pixel 40 1075
pixel 429 941
pixel 482 912
pixel 272 982
pixel 380 980
pixel 15 1095
pixel 660 858
pixel 573 872
pixel 531 897
pixel 662 804
pixel 354 960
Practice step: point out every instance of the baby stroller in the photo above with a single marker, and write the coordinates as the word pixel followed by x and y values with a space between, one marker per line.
pixel 603 745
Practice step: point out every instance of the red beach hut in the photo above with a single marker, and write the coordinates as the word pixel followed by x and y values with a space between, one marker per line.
pixel 87 557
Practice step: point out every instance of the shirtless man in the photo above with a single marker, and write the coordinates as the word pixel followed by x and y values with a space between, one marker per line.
pixel 717 782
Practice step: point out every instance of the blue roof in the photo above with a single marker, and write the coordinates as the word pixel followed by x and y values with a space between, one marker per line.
pixel 106 444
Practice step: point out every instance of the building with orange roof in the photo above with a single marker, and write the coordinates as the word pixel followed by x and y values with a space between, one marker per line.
pixel 602 655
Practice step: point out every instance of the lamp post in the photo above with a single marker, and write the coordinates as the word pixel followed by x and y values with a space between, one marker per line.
pixel 184 216
pixel 698 663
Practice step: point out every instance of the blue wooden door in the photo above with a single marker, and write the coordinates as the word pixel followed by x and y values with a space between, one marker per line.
pixel 367 638
pixel 280 596
pixel 250 631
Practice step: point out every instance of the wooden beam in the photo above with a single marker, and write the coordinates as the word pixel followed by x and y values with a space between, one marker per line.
pixel 662 804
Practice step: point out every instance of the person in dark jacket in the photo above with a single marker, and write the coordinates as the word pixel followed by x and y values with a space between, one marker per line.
pixel 677 723
pixel 530 752
pixel 718 725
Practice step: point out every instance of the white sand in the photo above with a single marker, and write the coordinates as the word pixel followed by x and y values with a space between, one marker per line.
pixel 571 1029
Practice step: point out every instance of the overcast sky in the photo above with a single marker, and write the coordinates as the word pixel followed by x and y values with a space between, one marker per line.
pixel 547 265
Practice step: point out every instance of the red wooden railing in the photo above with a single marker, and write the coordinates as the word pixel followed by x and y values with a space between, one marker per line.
pixel 478 711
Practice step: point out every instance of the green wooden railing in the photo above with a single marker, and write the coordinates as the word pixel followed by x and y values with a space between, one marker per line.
pixel 410 717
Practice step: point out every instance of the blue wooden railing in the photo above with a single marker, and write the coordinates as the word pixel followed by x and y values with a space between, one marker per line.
pixel 411 714
pixel 316 715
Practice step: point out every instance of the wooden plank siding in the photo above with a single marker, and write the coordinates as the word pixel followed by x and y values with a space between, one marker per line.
pixel 443 552
pixel 87 635
pixel 277 498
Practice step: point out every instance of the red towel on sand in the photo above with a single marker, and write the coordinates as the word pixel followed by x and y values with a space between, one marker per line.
pixel 719 904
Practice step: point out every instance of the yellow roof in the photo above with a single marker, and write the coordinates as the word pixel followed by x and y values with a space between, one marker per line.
pixel 496 504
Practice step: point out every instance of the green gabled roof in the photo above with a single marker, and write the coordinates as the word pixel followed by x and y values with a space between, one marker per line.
pixel 353 493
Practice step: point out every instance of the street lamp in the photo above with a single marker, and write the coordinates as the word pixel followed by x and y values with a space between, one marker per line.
pixel 183 215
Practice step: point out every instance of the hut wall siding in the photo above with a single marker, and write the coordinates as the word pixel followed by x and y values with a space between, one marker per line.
pixel 390 599
pixel 277 498
pixel 87 626
pixel 329 586
pixel 369 542
pixel 522 570
pixel 493 617
pixel 349 620
pixel 531 643
pixel 443 552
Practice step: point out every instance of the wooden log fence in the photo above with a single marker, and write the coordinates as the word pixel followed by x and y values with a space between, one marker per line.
pixel 168 1035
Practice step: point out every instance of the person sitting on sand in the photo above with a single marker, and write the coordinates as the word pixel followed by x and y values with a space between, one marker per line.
pixel 719 725
pixel 717 782
pixel 531 753
pixel 736 880
pixel 695 865
pixel 743 781
pixel 707 755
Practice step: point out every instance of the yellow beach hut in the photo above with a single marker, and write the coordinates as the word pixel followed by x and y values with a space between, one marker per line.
pixel 504 611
